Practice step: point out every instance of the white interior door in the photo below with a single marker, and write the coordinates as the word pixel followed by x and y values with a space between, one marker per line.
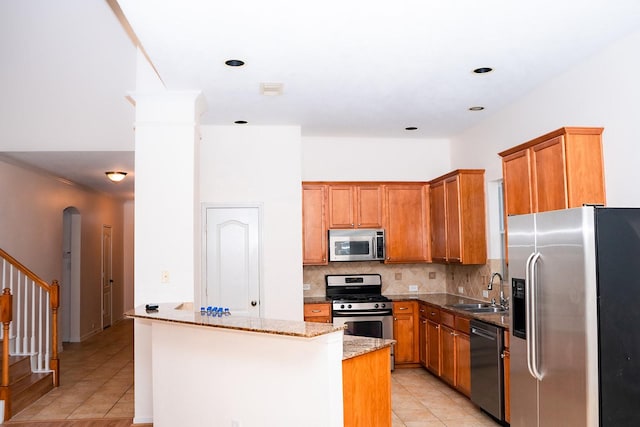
pixel 233 259
pixel 107 277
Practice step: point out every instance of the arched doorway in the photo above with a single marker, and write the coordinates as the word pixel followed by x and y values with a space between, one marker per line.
pixel 70 285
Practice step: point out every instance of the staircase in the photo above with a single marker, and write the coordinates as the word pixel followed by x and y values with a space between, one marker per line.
pixel 29 364
pixel 25 387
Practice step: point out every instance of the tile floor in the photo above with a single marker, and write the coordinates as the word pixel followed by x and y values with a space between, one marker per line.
pixel 418 399
pixel 97 383
pixel 96 380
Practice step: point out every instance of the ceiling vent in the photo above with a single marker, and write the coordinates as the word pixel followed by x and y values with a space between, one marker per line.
pixel 271 89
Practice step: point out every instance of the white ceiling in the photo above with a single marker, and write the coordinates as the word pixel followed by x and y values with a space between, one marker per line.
pixel 348 67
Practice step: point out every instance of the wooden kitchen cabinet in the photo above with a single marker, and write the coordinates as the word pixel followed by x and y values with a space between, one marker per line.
pixel 355 206
pixel 448 354
pixel 562 169
pixel 317 312
pixel 506 363
pixel 433 339
pixel 314 224
pixel 422 334
pixel 405 332
pixel 457 209
pixel 463 356
pixel 407 222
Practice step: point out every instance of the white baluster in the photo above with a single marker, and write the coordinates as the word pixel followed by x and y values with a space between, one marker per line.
pixel 47 355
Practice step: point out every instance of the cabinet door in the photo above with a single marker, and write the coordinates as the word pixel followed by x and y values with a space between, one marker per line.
pixel 422 335
pixel 549 179
pixel 438 222
pixel 452 203
pixel 433 347
pixel 447 355
pixel 314 227
pixel 405 332
pixel 463 363
pixel 369 206
pixel 406 226
pixel 517 183
pixel 317 312
pixel 341 206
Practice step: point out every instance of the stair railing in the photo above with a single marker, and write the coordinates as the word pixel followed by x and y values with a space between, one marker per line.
pixel 6 305
pixel 33 330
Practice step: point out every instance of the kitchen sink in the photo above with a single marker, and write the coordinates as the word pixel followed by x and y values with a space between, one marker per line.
pixel 480 308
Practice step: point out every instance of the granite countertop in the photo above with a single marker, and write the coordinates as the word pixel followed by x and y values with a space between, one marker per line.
pixel 185 314
pixel 442 300
pixel 354 346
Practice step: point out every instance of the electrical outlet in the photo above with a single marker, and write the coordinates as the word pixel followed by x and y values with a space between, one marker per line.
pixel 413 288
pixel 432 275
pixel 164 276
pixel 306 286
pixel 235 423
pixel 485 294
pixel 460 290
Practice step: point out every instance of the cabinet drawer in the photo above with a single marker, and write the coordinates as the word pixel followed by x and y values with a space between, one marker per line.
pixel 462 324
pixel 433 314
pixel 447 319
pixel 317 310
pixel 403 307
pixel 506 339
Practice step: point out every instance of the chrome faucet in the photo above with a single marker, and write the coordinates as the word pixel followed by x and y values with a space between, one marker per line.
pixel 503 300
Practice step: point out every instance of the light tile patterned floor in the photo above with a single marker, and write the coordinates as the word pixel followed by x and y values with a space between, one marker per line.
pixel 421 400
pixel 96 379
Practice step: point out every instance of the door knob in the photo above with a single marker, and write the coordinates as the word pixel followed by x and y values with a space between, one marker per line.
pixel 254 303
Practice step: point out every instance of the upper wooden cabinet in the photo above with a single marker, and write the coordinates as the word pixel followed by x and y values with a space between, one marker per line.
pixel 314 224
pixel 355 206
pixel 406 222
pixel 559 170
pixel 458 230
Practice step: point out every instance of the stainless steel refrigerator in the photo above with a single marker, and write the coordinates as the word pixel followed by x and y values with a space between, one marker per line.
pixel 575 317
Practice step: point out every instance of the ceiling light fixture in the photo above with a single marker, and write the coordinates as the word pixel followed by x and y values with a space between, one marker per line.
pixel 116 176
pixel 234 62
pixel 240 122
pixel 483 70
pixel 411 128
pixel 478 108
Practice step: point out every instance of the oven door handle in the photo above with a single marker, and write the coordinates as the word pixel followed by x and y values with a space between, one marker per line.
pixel 362 313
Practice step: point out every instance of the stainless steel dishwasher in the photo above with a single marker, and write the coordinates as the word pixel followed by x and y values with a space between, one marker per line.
pixel 487 373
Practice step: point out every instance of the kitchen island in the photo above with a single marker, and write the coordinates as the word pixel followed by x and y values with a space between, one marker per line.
pixel 250 371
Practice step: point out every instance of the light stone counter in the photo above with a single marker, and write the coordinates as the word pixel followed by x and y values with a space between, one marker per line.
pixel 184 313
pixel 354 346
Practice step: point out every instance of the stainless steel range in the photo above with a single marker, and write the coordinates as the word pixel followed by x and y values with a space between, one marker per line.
pixel 357 302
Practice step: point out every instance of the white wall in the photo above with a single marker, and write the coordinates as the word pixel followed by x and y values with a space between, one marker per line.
pixel 374 159
pixel 31 226
pixel 261 164
pixel 602 91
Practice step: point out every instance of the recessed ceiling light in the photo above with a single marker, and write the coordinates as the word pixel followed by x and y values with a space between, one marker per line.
pixel 478 108
pixel 234 63
pixel 411 128
pixel 240 122
pixel 483 70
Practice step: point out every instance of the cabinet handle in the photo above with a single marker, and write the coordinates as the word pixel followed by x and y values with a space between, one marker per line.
pixel 502 355
pixel 424 321
pixel 316 311
pixel 402 308
pixel 422 310
pixel 437 326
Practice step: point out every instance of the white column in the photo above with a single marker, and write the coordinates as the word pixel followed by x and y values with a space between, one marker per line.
pixel 167 231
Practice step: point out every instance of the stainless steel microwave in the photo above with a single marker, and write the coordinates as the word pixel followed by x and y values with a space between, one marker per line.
pixel 360 244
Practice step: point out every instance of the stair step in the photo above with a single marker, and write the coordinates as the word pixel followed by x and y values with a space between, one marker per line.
pixel 29 389
pixel 19 367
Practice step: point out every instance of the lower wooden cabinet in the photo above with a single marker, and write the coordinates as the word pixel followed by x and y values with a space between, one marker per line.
pixel 405 332
pixel 366 389
pixel 444 346
pixel 506 361
pixel 463 356
pixel 317 312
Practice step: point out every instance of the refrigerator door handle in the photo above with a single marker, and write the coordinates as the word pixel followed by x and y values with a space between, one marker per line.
pixel 530 307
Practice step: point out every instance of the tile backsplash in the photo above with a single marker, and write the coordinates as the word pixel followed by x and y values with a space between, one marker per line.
pixel 396 278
